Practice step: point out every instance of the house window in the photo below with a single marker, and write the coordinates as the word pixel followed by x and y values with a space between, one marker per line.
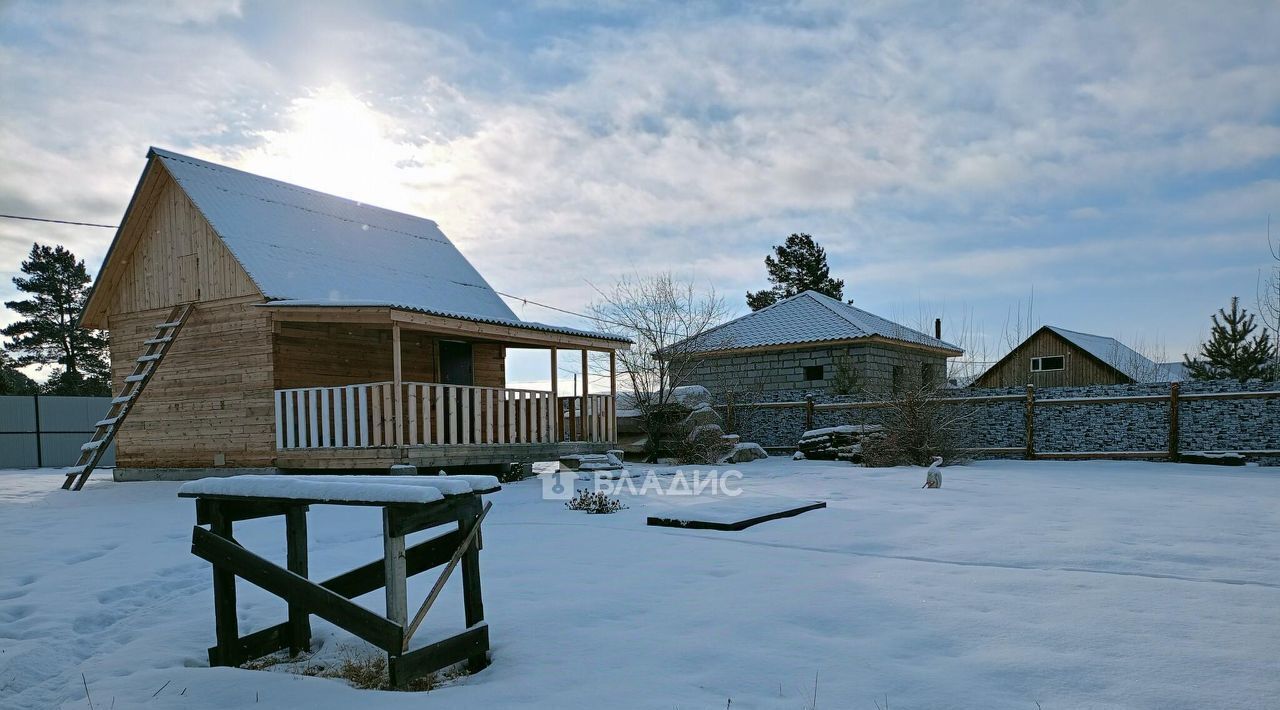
pixel 899 377
pixel 813 373
pixel 1048 363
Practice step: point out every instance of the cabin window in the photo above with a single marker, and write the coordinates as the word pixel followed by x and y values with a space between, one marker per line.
pixel 899 377
pixel 1048 363
pixel 813 373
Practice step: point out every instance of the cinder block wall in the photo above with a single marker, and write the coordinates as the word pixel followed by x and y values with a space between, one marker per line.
pixel 782 371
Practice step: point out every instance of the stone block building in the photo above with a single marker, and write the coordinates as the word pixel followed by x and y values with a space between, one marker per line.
pixel 813 343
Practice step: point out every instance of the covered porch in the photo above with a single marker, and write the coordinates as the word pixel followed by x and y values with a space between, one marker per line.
pixel 364 387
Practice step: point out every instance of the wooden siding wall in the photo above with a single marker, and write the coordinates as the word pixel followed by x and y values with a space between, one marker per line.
pixel 329 354
pixel 1081 369
pixel 177 258
pixel 212 394
pixel 210 403
pixel 489 364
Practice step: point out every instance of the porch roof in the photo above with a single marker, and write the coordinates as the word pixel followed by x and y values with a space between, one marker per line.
pixel 416 318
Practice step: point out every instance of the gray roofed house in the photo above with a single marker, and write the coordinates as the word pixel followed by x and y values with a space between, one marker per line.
pixel 804 343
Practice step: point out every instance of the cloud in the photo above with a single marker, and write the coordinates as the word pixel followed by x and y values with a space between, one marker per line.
pixel 985 149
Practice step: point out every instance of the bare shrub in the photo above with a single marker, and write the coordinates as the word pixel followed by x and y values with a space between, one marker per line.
pixel 1269 298
pixel 704 444
pixel 918 425
pixel 594 503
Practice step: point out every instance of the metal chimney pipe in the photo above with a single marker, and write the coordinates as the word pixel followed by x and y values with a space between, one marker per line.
pixel 937 328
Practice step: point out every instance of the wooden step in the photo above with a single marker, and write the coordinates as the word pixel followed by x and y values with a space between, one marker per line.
pixel 135 378
pixel 108 421
pixel 166 326
pixel 90 446
pixel 123 398
pixel 150 358
pixel 159 341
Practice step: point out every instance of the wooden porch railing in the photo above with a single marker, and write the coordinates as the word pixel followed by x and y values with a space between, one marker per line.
pixel 597 423
pixel 362 415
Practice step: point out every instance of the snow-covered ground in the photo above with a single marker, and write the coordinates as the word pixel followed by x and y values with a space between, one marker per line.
pixel 1084 584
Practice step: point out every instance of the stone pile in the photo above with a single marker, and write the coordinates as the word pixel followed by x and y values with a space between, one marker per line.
pixel 842 443
pixel 693 426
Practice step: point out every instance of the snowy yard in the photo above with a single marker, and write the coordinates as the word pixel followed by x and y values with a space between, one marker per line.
pixel 1086 584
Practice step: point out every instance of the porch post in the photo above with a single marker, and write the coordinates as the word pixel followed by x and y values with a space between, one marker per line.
pixel 612 422
pixel 396 404
pixel 584 396
pixel 555 397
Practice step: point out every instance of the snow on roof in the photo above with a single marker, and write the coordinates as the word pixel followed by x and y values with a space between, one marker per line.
pixel 806 318
pixel 1170 372
pixel 305 246
pixel 1114 353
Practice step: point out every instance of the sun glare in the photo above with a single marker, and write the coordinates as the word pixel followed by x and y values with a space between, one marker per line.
pixel 339 144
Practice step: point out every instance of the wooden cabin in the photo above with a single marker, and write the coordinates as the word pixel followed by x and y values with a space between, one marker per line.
pixel 325 334
pixel 1057 357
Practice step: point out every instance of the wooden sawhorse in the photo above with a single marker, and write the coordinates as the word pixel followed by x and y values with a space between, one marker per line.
pixel 222 502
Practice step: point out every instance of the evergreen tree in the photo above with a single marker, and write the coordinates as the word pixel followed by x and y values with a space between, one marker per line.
pixel 1233 352
pixel 798 265
pixel 49 332
pixel 13 380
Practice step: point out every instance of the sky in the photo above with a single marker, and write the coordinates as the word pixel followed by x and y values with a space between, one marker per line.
pixel 1114 162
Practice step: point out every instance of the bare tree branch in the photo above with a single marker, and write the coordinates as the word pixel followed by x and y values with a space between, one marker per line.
pixel 670 321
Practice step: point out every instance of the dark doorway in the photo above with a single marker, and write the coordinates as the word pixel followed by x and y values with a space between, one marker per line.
pixel 455 369
pixel 455 363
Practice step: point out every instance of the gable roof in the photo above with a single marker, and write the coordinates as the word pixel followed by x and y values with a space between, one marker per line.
pixel 1111 352
pixel 304 247
pixel 808 317
pixel 300 244
pixel 1108 351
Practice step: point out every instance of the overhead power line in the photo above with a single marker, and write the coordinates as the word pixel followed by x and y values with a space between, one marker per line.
pixel 59 221
pixel 595 319
pixel 500 293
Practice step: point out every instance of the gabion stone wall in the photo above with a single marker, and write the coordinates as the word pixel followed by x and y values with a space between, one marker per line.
pixel 1204 425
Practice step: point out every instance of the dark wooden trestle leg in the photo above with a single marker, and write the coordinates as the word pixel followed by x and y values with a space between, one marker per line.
pixel 295 522
pixel 224 598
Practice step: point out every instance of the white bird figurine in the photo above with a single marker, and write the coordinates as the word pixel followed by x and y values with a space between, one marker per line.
pixel 933 479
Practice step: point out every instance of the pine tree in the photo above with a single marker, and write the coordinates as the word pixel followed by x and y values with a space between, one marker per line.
pixel 49 332
pixel 798 265
pixel 1233 352
pixel 13 380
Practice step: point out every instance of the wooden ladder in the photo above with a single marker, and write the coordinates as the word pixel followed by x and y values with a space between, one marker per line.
pixel 146 365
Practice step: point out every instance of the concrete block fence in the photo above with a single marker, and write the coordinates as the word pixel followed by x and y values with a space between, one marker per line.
pixel 1211 416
